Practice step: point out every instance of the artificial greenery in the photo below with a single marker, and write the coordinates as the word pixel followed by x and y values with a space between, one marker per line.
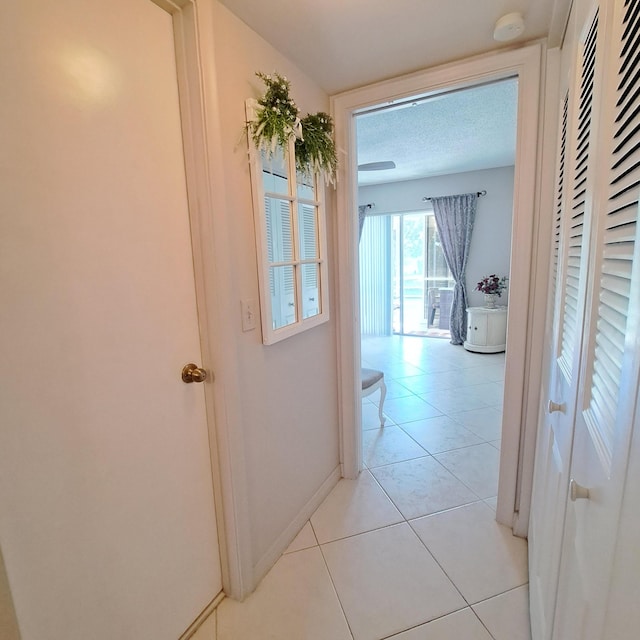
pixel 316 151
pixel 277 120
pixel 276 117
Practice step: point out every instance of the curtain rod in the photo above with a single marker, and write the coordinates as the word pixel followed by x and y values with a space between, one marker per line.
pixel 478 193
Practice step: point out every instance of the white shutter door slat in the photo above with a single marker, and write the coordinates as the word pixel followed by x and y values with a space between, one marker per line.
pixel 606 375
pixel 615 291
pixel 624 213
pixel 609 356
pixel 602 416
pixel 611 328
pixel 628 170
pixel 620 252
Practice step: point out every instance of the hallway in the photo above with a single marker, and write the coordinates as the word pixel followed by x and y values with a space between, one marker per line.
pixel 410 550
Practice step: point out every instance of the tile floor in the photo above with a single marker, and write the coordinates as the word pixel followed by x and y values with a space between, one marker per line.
pixel 411 549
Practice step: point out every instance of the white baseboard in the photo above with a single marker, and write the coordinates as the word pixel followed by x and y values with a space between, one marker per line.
pixel 199 621
pixel 286 537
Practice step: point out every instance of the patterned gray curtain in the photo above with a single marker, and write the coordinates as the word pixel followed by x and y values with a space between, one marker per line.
pixel 361 209
pixel 455 216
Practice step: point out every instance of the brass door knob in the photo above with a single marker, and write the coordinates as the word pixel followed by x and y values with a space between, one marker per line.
pixel 193 373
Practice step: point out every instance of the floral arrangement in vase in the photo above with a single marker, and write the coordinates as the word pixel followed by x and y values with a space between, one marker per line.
pixel 492 286
pixel 277 120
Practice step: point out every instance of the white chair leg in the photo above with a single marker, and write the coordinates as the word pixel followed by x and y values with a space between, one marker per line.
pixel 383 393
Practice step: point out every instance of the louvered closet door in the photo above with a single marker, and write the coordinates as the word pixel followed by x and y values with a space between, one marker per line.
pixel 570 248
pixel 553 451
pixel 609 372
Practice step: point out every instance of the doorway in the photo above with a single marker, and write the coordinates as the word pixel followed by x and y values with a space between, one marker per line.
pixel 440 444
pixel 523 63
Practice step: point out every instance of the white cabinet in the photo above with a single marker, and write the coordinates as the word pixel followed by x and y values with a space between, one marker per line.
pixel 486 329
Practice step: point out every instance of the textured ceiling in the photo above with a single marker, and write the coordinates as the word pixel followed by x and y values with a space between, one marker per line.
pixel 451 133
pixel 343 44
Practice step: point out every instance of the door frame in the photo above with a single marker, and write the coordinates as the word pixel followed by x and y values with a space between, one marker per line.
pixel 529 261
pixel 198 92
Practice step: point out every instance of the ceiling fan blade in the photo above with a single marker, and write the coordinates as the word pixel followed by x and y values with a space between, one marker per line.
pixel 377 166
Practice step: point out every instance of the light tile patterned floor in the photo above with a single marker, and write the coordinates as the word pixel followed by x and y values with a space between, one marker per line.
pixel 410 550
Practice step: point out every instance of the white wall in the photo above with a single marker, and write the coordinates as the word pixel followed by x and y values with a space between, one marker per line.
pixel 289 390
pixel 491 241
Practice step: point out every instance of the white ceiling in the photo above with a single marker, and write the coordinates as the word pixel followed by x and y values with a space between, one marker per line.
pixel 461 131
pixel 343 44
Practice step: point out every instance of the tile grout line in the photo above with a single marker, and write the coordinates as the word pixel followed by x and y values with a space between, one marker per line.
pixel 455 586
pixel 482 622
pixel 420 539
pixel 490 598
pixel 485 441
pixel 475 493
pixel 333 584
pixel 417 626
pixel 405 520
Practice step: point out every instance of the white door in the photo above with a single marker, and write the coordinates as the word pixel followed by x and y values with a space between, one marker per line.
pixel 571 248
pixel 608 393
pixel 106 506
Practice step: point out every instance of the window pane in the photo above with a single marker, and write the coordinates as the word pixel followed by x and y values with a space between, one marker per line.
pixel 306 186
pixel 308 229
pixel 274 172
pixel 310 290
pixel 279 230
pixel 283 296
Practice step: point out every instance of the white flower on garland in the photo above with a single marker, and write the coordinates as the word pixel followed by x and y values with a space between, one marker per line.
pixel 316 152
pixel 276 115
pixel 277 120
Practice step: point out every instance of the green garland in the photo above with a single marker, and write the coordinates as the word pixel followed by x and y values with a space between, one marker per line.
pixel 277 120
pixel 277 116
pixel 316 151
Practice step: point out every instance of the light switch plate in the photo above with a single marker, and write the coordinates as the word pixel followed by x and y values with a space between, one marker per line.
pixel 249 314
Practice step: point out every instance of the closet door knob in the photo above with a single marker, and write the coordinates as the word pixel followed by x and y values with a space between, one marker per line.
pixel 577 491
pixel 555 406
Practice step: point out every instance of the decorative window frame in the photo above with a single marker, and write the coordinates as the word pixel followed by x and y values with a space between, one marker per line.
pixel 274 328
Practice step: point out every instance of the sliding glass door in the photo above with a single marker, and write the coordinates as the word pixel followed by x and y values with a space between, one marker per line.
pixel 404 279
pixel 421 280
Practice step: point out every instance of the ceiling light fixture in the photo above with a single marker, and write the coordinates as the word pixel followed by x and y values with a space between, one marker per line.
pixel 509 27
